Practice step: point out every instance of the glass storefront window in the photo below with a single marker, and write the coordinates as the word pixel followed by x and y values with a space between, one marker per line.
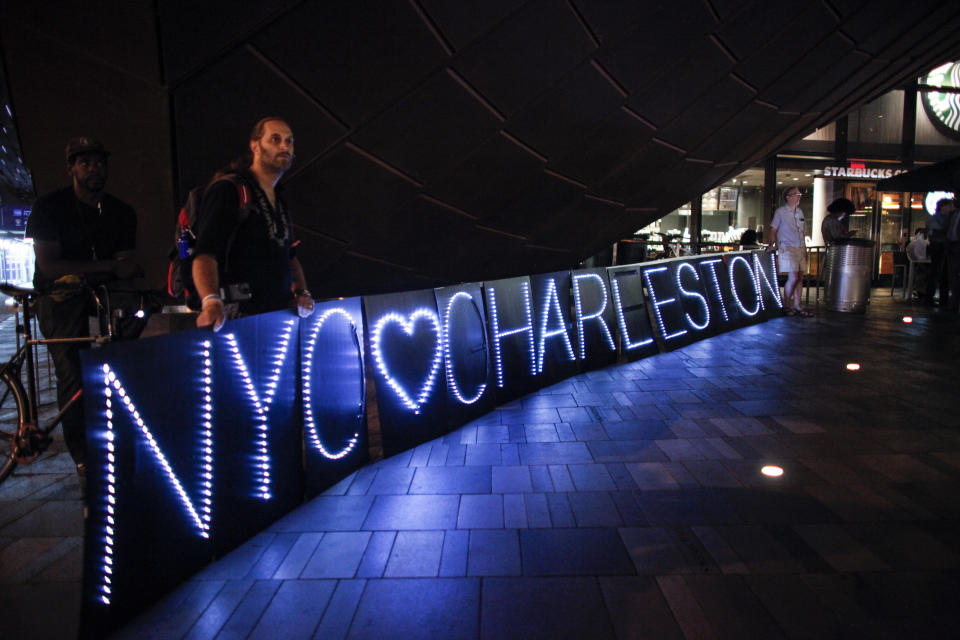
pixel 918 216
pixel 16 261
pixel 728 211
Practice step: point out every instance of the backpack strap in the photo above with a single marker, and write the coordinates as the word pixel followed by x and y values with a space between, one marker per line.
pixel 245 198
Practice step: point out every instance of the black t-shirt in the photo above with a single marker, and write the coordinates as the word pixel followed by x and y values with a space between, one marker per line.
pixel 84 232
pixel 259 253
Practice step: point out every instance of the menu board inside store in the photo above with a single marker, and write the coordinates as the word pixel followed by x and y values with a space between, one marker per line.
pixel 720 199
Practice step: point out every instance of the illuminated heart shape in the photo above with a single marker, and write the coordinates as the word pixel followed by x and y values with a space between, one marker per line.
pixel 426 388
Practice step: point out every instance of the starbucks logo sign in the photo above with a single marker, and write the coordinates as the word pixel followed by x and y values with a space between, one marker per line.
pixel 943 108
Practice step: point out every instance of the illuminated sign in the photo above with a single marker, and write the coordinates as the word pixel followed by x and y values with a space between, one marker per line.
pixel 312 376
pixel 635 332
pixel 274 406
pixel 333 393
pixel 406 349
pixel 933 197
pixel 943 108
pixel 414 399
pixel 661 275
pixel 554 328
pixel 553 324
pixel 467 360
pixel 863 172
pixel 593 315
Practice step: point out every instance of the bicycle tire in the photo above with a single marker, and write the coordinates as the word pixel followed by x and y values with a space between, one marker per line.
pixel 13 407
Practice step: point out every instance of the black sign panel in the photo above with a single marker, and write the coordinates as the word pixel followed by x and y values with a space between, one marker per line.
pixel 593 317
pixel 724 313
pixel 255 390
pixel 193 446
pixel 765 275
pixel 554 330
pixel 752 290
pixel 333 391
pixel 635 331
pixel 468 363
pixel 679 302
pixel 510 329
pixel 406 358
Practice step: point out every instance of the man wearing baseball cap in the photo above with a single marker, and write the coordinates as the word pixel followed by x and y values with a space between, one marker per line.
pixel 79 233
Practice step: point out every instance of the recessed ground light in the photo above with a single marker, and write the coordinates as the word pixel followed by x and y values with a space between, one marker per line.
pixel 853 366
pixel 772 471
pixel 907 319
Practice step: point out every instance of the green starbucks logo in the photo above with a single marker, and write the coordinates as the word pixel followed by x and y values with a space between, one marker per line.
pixel 943 108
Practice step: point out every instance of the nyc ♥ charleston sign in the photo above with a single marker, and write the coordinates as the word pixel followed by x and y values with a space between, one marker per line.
pixel 197 441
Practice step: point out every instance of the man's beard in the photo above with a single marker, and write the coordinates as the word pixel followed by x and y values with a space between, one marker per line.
pixel 277 162
pixel 94 184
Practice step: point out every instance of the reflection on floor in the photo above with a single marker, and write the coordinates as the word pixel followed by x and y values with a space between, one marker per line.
pixel 623 503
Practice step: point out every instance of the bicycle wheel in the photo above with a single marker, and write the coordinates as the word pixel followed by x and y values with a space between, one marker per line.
pixel 13 406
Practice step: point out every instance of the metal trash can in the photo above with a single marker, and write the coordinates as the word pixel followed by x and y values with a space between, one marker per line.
pixel 847 274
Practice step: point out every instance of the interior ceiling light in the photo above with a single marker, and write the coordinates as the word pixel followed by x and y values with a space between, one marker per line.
pixel 907 319
pixel 772 471
pixel 853 366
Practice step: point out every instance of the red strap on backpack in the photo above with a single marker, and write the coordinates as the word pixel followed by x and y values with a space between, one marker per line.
pixel 245 197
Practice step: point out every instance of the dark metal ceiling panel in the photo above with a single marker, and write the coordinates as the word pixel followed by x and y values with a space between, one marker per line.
pixel 354 56
pixel 759 23
pixel 412 229
pixel 650 52
pixel 430 130
pixel 194 33
pixel 567 117
pixel 832 53
pixel 716 105
pixel 762 65
pixel 618 136
pixel 332 194
pixel 889 42
pixel 526 54
pixel 746 131
pixel 610 21
pixel 490 180
pixel 462 21
pixel 685 83
pixel 637 170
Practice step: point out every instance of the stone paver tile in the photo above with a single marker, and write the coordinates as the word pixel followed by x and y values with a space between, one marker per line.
pixel 339 613
pixel 494 553
pixel 687 612
pixel 526 608
pixel 415 554
pixel 418 608
pixel 338 555
pixel 300 605
pixel 480 512
pixel 453 560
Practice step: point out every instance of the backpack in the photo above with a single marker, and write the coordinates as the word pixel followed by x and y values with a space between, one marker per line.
pixel 180 272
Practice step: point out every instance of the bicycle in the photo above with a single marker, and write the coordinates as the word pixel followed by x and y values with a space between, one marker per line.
pixel 22 438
